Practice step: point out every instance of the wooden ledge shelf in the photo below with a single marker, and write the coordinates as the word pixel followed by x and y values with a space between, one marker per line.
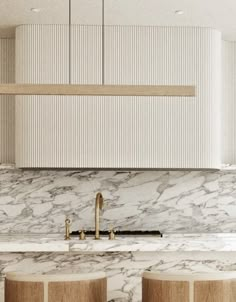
pixel 97 90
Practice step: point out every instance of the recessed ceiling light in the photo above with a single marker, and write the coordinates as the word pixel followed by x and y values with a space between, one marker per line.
pixel 35 10
pixel 179 12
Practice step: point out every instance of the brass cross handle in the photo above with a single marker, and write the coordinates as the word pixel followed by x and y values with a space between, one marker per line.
pixel 112 235
pixel 82 235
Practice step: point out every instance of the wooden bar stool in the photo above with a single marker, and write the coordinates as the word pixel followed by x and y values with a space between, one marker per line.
pixel 205 287
pixel 54 288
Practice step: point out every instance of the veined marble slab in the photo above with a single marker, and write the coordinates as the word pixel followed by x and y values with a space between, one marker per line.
pixel 151 244
pixel 169 243
pixel 24 243
pixel 37 201
pixel 7 166
pixel 200 235
pixel 124 270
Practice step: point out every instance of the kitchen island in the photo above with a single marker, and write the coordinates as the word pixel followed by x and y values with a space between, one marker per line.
pixel 123 259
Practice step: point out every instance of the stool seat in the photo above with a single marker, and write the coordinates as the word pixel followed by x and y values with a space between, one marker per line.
pixel 54 278
pixel 222 275
pixel 189 287
pixel 90 287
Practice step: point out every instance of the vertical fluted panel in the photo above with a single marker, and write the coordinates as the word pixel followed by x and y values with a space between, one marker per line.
pixel 7 103
pixel 124 132
pixel 169 132
pixel 228 133
pixel 42 53
pixel 86 53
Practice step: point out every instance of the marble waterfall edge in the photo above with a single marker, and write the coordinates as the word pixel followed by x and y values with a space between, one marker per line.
pixel 124 270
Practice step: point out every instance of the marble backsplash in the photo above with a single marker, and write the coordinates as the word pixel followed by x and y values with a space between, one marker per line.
pixel 37 201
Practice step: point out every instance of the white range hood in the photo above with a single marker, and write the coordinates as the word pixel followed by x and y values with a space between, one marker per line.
pixel 127 132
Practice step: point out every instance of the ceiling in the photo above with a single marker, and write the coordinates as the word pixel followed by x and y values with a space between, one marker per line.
pixel 217 14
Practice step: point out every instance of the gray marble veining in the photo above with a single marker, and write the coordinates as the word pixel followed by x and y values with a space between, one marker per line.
pixel 36 201
pixel 44 243
pixel 124 270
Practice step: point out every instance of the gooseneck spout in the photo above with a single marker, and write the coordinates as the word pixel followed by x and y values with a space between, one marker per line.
pixel 98 206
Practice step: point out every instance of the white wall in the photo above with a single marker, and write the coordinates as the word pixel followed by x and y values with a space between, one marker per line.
pixel 228 104
pixel 7 103
pixel 121 132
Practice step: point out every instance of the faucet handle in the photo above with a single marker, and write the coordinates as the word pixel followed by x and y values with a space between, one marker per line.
pixel 112 234
pixel 67 221
pixel 67 228
pixel 82 235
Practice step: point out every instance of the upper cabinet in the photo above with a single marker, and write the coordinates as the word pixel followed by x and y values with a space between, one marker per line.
pixel 119 132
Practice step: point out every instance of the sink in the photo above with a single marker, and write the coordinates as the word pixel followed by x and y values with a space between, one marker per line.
pixel 121 233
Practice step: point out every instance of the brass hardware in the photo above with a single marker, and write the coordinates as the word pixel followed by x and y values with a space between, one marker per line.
pixel 67 227
pixel 112 235
pixel 82 235
pixel 98 206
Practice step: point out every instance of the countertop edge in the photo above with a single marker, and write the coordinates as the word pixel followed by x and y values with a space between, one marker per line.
pixel 168 243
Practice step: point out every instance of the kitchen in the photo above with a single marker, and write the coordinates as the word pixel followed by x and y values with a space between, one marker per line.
pixel 163 161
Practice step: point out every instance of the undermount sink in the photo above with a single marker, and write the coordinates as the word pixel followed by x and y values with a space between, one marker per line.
pixel 121 233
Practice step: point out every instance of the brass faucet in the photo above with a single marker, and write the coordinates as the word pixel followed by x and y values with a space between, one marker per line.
pixel 98 206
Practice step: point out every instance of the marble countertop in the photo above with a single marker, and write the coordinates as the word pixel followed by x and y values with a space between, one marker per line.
pixel 33 243
pixel 168 243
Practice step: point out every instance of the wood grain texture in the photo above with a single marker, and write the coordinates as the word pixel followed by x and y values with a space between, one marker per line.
pixel 233 291
pixel 16 291
pixel 214 291
pixel 96 90
pixel 165 291
pixel 78 291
